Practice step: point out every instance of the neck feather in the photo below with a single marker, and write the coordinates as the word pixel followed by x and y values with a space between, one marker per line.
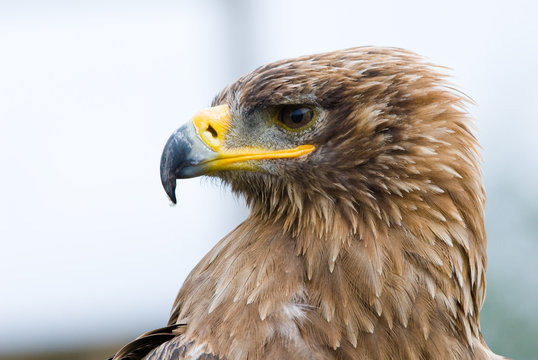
pixel 412 264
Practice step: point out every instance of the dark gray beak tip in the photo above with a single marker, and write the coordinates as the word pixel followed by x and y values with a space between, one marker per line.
pixel 170 188
pixel 175 158
pixel 171 163
pixel 168 181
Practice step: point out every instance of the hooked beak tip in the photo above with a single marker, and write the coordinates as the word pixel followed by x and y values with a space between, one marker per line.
pixel 168 168
pixel 170 189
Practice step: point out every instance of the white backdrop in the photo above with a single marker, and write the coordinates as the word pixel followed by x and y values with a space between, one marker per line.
pixel 91 251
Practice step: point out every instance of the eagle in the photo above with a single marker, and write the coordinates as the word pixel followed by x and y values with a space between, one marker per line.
pixel 365 238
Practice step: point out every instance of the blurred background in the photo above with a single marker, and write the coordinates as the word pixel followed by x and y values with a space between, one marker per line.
pixel 92 254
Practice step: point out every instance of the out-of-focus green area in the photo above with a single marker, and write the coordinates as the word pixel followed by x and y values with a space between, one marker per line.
pixel 509 318
pixel 96 353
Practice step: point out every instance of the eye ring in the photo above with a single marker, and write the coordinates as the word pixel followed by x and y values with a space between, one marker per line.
pixel 295 117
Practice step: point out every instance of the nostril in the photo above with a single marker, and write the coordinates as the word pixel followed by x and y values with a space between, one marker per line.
pixel 212 131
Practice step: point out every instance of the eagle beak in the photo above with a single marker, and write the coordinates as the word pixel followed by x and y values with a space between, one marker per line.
pixel 197 149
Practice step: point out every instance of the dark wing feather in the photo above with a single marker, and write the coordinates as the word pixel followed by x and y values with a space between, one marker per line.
pixel 142 345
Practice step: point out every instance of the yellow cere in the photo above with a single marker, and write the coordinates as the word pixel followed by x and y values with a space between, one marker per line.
pixel 212 124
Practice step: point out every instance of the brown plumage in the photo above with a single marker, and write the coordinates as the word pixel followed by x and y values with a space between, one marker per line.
pixel 372 246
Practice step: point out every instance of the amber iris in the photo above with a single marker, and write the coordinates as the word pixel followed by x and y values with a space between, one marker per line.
pixel 296 117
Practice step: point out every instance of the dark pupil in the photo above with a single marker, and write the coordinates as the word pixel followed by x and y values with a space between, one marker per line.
pixel 297 115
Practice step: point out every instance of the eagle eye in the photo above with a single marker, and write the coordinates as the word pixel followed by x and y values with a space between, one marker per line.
pixel 295 117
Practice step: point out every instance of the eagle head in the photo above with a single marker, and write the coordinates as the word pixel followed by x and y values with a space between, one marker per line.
pixel 369 132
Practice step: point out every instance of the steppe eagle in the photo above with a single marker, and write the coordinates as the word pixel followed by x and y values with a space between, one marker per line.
pixel 366 235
